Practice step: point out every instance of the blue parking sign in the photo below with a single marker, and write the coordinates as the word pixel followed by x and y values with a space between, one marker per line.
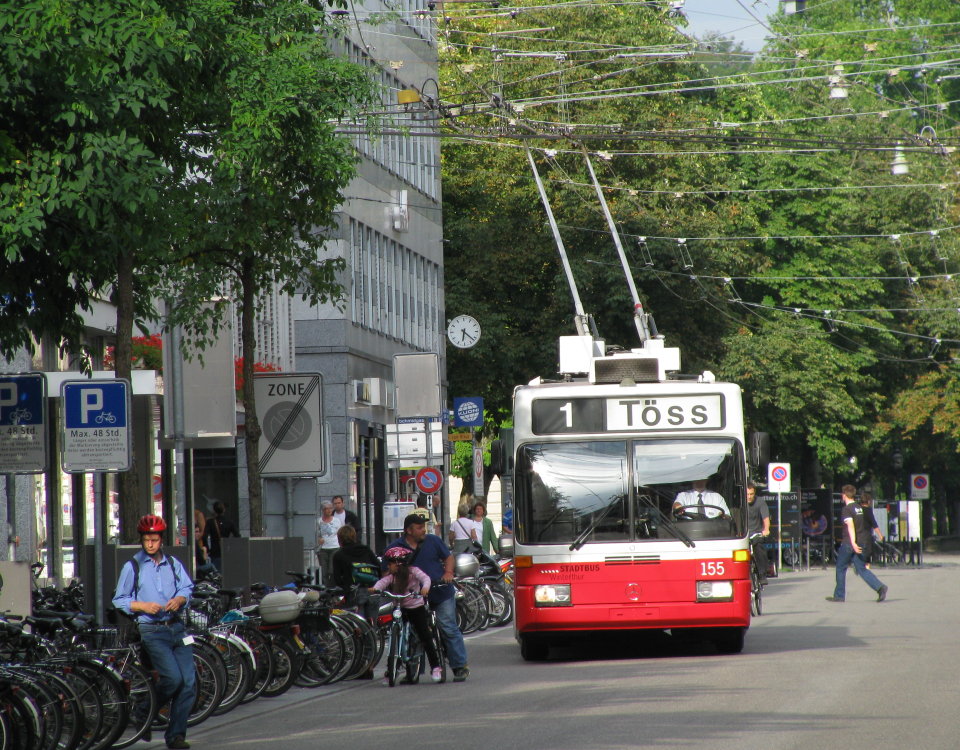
pixel 23 423
pixel 95 432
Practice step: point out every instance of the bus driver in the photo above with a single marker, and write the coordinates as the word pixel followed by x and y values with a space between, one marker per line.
pixel 699 501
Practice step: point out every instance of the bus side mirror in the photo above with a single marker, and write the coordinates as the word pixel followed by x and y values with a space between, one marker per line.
pixel 498 458
pixel 759 449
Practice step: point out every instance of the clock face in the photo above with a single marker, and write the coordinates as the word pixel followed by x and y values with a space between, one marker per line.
pixel 463 331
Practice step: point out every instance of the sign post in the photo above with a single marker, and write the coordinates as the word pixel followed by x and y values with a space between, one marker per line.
pixel 96 438
pixel 778 480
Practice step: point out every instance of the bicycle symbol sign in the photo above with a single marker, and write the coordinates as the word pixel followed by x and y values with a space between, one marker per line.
pixel 429 480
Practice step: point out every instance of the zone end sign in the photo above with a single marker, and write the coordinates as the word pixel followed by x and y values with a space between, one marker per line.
pixel 96 434
pixel 289 409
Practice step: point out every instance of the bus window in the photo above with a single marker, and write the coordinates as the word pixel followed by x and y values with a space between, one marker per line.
pixel 694 486
pixel 572 493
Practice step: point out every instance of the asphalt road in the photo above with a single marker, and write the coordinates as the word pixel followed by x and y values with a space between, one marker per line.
pixel 813 674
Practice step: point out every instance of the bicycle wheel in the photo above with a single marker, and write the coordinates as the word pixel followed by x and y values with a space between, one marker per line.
pixel 756 592
pixel 111 690
pixel 441 653
pixel 142 702
pixel 72 724
pixel 287 663
pixel 238 660
pixel 393 654
pixel 413 656
pixel 7 740
pixel 365 635
pixel 91 707
pixel 501 606
pixel 209 681
pixel 325 660
pixel 471 608
pixel 41 688
pixel 24 715
pixel 259 645
pixel 351 645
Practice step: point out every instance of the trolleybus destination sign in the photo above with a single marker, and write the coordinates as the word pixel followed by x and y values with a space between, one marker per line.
pixel 702 411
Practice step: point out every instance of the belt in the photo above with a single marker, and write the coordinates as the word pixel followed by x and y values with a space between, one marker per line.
pixel 164 623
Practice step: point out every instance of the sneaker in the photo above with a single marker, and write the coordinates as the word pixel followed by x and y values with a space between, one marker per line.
pixel 882 593
pixel 436 674
pixel 178 743
pixel 461 673
pixel 833 599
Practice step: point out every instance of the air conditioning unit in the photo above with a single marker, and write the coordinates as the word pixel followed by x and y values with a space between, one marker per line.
pixel 361 391
pixel 400 211
pixel 377 391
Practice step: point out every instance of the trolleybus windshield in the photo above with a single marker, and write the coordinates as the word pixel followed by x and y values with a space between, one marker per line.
pixel 629 490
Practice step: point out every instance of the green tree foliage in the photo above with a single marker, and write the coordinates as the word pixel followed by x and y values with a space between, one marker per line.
pixel 268 174
pixel 157 148
pixel 809 273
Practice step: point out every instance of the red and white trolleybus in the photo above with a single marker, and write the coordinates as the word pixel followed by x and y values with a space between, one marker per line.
pixel 629 500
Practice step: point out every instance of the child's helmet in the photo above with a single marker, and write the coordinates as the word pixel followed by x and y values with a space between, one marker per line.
pixel 399 555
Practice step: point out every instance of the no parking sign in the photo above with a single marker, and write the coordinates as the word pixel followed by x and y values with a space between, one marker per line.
pixel 778 477
pixel 919 486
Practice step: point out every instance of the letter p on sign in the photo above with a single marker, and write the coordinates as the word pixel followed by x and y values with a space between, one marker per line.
pixel 91 399
pixel 8 395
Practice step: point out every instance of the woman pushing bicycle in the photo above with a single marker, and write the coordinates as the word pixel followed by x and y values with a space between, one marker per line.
pixel 403 578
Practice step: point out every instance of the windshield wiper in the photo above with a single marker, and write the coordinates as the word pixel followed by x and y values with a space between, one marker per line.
pixel 582 536
pixel 550 522
pixel 664 521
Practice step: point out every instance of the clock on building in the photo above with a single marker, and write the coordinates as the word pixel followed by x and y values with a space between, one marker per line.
pixel 463 331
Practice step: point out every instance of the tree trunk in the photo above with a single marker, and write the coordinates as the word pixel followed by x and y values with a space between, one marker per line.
pixel 252 426
pixel 123 363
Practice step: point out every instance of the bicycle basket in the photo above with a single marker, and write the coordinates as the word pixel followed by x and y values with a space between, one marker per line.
pixel 102 639
pixel 198 619
pixel 126 625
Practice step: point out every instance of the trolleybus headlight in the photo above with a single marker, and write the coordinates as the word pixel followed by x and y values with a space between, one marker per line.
pixel 714 591
pixel 553 595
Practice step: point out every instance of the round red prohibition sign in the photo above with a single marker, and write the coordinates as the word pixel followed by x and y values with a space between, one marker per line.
pixel 920 482
pixel 779 473
pixel 429 480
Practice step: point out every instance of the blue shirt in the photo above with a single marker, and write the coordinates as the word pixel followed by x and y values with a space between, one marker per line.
pixel 158 583
pixel 430 557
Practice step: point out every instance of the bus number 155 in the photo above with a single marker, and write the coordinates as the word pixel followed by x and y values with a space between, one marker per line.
pixel 711 568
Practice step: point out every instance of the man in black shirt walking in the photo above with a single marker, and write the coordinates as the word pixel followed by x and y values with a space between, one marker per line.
pixel 851 548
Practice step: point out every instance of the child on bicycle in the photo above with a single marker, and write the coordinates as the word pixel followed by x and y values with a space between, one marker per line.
pixel 404 578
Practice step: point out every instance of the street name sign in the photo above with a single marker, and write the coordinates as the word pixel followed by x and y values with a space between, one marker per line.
pixel 290 412
pixel 23 423
pixel 95 426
